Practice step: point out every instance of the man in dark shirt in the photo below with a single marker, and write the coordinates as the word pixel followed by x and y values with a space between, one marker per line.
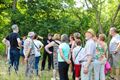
pixel 15 44
pixel 45 55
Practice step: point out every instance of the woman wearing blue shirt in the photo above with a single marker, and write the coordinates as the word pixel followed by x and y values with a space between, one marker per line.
pixel 64 57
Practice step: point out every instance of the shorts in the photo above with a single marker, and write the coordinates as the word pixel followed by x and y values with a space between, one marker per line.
pixel 77 70
pixel 116 60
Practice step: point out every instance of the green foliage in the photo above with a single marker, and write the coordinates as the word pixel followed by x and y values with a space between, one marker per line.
pixel 56 16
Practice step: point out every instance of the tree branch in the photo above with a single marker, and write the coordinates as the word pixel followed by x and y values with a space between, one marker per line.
pixel 14 5
pixel 86 4
pixel 115 15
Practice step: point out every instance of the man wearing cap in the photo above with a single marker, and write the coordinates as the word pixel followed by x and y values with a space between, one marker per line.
pixel 114 49
pixel 29 54
pixel 15 43
pixel 86 60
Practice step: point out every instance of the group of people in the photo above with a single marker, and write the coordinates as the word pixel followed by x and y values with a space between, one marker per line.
pixel 86 63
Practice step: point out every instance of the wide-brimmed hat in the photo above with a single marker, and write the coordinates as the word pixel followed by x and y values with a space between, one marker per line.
pixel 30 34
pixel 91 31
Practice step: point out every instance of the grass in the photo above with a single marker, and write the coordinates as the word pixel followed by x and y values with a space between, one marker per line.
pixel 44 75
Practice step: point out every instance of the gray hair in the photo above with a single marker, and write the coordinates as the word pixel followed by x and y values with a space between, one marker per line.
pixel 14 27
pixel 64 38
pixel 113 29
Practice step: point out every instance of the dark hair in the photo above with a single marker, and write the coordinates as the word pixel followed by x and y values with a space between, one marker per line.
pixel 72 36
pixel 78 42
pixel 36 36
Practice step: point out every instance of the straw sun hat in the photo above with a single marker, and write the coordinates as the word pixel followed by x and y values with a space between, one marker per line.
pixel 91 31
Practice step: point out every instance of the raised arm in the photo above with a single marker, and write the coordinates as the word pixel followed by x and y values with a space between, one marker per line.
pixel 48 46
pixel 40 37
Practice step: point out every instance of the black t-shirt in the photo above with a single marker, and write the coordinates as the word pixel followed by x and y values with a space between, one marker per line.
pixel 13 40
pixel 46 42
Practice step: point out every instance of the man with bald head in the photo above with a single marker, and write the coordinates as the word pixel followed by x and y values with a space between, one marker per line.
pixel 114 49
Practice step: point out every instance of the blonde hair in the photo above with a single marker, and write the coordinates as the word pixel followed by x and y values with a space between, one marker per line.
pixel 102 37
pixel 76 35
pixel 56 37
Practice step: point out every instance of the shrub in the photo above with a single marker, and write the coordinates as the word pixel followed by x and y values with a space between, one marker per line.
pixel 2 49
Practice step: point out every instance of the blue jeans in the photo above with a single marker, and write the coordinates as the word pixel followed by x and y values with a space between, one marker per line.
pixel 99 70
pixel 14 58
pixel 87 76
pixel 37 59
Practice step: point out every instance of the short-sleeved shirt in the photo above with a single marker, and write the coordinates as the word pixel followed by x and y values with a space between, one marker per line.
pixel 114 43
pixel 12 38
pixel 90 48
pixel 66 50
pixel 78 51
pixel 37 45
pixel 28 44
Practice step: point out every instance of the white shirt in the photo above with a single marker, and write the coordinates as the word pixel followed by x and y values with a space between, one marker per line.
pixel 80 54
pixel 114 43
pixel 38 45
pixel 90 48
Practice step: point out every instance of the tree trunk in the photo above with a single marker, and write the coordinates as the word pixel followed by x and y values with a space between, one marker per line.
pixel 115 15
pixel 99 23
pixel 14 5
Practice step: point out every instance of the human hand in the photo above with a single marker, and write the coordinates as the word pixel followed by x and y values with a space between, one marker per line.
pixel 50 52
pixel 25 60
pixel 85 70
pixel 115 52
pixel 69 62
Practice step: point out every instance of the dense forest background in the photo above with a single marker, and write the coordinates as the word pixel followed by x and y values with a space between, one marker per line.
pixel 58 16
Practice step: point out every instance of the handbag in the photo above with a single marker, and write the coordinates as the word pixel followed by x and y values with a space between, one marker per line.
pixel 107 67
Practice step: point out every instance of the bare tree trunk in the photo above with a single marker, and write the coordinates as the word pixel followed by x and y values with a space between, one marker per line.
pixel 99 23
pixel 14 5
pixel 97 14
pixel 115 15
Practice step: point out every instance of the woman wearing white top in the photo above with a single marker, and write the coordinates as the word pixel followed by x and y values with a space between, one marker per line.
pixel 37 46
pixel 77 54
